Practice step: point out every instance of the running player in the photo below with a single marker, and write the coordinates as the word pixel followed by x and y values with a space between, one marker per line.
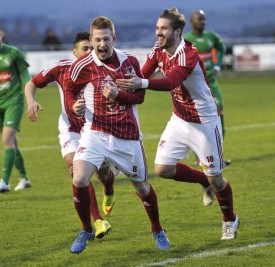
pixel 13 67
pixel 70 127
pixel 111 129
pixel 195 123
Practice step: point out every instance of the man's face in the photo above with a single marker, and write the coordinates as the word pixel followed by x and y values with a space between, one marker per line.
pixel 102 42
pixel 165 33
pixel 198 22
pixel 81 48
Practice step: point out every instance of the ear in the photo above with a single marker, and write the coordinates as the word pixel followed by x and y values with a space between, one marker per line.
pixel 114 38
pixel 178 32
pixel 74 52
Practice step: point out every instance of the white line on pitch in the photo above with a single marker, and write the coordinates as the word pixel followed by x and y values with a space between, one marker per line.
pixel 206 254
pixel 156 136
pixel 232 128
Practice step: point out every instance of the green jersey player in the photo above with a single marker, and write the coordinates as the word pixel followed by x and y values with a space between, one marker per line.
pixel 211 50
pixel 13 66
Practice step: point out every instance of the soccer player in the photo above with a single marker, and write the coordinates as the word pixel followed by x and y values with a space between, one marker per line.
pixel 211 51
pixel 70 126
pixel 195 123
pixel 111 129
pixel 13 67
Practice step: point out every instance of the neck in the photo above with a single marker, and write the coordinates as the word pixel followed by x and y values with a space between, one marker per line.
pixel 196 31
pixel 171 50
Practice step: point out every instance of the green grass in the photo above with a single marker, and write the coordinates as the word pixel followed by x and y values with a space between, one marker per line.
pixel 38 225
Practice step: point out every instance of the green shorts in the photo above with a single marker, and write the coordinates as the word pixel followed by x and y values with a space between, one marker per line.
pixel 11 116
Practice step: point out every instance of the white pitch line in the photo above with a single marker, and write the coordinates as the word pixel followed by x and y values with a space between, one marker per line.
pixel 157 136
pixel 206 254
pixel 232 128
pixel 39 148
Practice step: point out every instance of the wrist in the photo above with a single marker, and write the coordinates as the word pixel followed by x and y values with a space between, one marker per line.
pixel 144 83
pixel 217 68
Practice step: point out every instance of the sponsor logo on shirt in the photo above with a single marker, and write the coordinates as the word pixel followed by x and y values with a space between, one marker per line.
pixel 5 76
pixel 205 55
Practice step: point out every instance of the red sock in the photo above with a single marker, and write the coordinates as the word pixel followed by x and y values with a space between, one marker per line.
pixel 94 210
pixel 109 184
pixel 150 203
pixel 225 199
pixel 185 173
pixel 82 200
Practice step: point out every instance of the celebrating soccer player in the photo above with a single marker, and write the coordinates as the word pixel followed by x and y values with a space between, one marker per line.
pixel 195 123
pixel 70 126
pixel 111 130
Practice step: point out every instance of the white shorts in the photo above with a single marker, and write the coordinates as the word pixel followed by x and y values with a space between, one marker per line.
pixel 179 137
pixel 126 155
pixel 68 142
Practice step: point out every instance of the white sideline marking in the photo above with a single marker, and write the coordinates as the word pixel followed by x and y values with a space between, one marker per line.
pixel 206 254
pixel 157 136
pixel 232 128
pixel 38 148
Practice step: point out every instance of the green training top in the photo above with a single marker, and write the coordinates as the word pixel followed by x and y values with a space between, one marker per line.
pixel 205 42
pixel 12 64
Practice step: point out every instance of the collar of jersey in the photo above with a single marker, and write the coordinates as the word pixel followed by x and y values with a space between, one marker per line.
pixel 120 55
pixel 180 46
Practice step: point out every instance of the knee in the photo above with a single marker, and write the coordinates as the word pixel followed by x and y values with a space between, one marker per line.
pixel 142 188
pixel 79 180
pixel 8 142
pixel 103 174
pixel 217 181
pixel 165 171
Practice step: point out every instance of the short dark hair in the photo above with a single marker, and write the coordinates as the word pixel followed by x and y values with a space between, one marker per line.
pixel 102 23
pixel 81 36
pixel 177 19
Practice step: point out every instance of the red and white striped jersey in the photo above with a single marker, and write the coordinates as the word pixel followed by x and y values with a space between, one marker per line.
pixel 186 80
pixel 117 117
pixel 68 121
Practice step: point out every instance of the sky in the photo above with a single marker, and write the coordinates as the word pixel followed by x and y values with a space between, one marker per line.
pixel 76 7
pixel 222 16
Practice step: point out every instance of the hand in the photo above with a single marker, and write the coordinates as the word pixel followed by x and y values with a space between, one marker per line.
pixel 33 109
pixel 110 90
pixel 216 70
pixel 79 107
pixel 133 83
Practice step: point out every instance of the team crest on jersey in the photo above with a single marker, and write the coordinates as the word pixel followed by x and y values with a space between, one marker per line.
pixel 130 69
pixel 107 79
pixel 5 61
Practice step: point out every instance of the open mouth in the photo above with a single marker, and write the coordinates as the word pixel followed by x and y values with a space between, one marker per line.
pixel 102 52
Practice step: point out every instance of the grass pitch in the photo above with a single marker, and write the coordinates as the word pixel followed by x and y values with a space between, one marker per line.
pixel 38 225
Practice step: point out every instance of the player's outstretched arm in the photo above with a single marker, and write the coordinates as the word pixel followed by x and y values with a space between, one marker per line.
pixel 32 106
pixel 132 83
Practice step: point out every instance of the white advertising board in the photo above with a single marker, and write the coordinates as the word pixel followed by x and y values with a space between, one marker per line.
pixel 39 60
pixel 254 57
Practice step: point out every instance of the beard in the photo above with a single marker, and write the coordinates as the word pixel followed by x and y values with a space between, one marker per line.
pixel 169 41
